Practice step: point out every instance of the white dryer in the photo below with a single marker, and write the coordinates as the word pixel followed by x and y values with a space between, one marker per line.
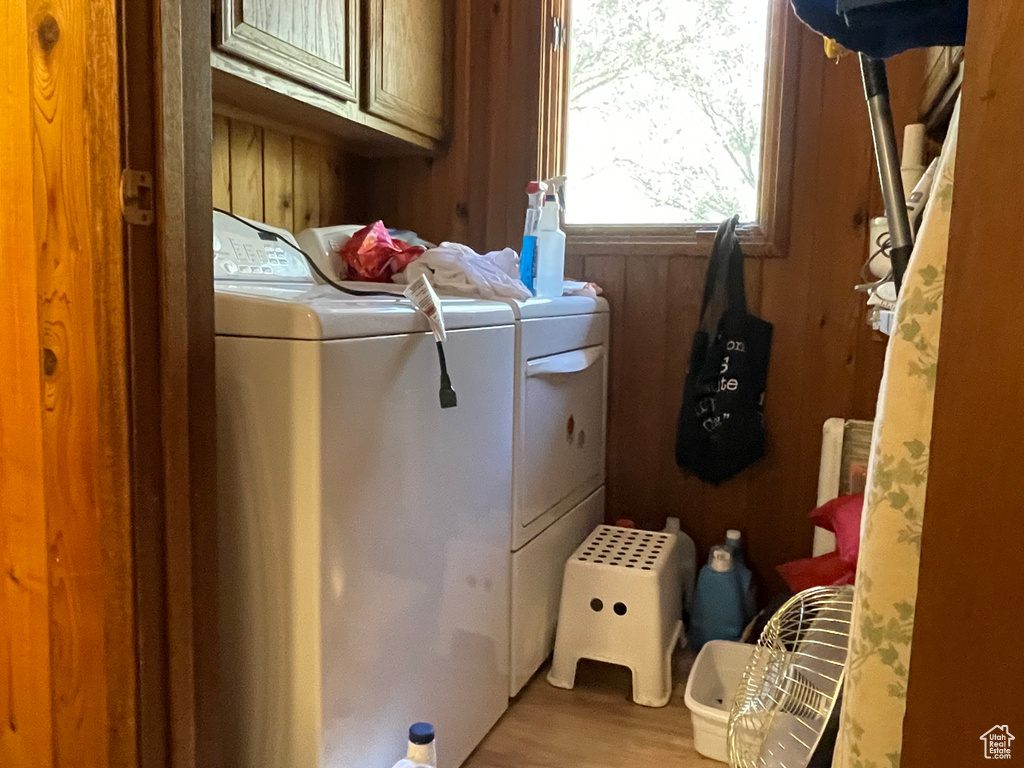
pixel 364 530
pixel 561 407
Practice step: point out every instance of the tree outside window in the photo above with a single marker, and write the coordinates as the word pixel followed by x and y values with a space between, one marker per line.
pixel 664 110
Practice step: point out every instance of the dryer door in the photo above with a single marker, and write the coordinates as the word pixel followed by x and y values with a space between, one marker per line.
pixel 562 429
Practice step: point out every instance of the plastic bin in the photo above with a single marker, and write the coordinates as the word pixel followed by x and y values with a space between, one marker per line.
pixel 717 673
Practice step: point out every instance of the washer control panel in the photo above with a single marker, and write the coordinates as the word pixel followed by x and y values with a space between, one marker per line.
pixel 241 253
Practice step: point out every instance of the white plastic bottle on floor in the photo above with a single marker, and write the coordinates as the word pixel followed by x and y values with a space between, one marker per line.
pixel 688 559
pixel 734 543
pixel 422 750
pixel 550 255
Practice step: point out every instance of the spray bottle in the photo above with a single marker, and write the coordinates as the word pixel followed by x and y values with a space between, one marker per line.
pixel 528 258
pixel 550 256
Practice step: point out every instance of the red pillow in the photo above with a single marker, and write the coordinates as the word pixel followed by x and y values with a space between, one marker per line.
pixel 820 571
pixel 842 516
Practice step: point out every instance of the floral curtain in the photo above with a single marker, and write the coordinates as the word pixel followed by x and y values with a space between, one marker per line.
pixel 874 701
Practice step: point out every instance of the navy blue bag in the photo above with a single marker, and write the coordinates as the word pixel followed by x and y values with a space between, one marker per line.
pixel 883 28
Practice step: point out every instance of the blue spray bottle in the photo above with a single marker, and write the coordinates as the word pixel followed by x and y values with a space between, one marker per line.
pixel 528 257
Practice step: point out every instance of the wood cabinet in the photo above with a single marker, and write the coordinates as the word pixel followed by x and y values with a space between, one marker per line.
pixel 312 41
pixel 270 55
pixel 406 63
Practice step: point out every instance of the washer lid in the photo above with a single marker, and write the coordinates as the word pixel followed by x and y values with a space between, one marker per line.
pixel 563 305
pixel 283 311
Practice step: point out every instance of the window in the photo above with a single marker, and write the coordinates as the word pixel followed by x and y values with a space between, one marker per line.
pixel 668 117
pixel 664 123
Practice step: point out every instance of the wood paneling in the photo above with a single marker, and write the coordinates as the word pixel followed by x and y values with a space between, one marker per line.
pixel 307 161
pixel 271 176
pixel 966 674
pixel 407 63
pixel 246 162
pixel 68 681
pixel 826 361
pixel 222 163
pixel 278 188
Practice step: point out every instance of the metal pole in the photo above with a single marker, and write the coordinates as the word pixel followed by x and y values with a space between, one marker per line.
pixel 901 238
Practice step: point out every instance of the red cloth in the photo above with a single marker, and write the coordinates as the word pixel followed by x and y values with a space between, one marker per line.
pixel 821 571
pixel 842 516
pixel 372 255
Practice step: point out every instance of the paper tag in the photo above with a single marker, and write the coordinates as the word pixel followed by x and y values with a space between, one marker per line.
pixel 421 293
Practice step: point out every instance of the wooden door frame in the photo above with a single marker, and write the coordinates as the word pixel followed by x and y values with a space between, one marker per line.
pixel 966 674
pixel 167 129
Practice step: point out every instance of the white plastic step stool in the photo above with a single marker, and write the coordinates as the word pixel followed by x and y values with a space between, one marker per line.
pixel 622 604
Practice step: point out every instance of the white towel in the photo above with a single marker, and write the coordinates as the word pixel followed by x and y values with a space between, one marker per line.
pixel 456 268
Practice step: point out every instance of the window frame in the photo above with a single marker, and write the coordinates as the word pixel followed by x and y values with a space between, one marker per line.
pixel 769 235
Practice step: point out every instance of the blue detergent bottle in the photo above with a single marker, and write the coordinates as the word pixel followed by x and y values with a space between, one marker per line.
pixel 734 543
pixel 717 601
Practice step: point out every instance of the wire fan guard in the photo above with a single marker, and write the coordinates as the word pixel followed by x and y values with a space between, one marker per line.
pixel 792 682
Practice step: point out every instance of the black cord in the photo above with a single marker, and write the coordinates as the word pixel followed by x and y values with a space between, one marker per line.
pixel 446 394
pixel 310 261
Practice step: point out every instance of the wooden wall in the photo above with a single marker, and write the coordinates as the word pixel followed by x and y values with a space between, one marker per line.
pixel 826 361
pixel 290 181
pixel 68 674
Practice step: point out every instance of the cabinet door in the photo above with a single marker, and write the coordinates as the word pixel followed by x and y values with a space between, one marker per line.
pixel 408 62
pixel 311 41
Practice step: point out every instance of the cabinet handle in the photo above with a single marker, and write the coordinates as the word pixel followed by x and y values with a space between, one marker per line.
pixel 565 362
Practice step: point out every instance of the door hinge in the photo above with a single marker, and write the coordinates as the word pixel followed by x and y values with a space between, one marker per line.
pixel 557 33
pixel 137 197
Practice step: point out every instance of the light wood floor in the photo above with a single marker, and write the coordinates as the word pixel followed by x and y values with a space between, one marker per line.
pixel 595 725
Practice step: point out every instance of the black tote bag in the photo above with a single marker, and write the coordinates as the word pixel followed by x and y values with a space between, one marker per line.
pixel 721 421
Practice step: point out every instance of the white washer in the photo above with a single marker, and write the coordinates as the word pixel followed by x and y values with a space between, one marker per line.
pixel 561 382
pixel 561 407
pixel 364 530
